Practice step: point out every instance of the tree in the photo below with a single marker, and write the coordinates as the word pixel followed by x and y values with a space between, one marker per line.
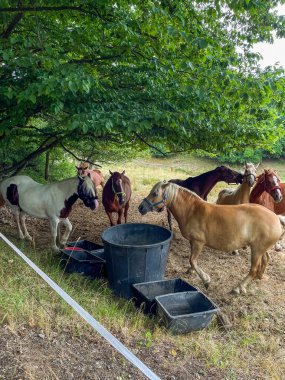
pixel 109 76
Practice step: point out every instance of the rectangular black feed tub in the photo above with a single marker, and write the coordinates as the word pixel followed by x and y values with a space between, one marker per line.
pixel 185 312
pixel 83 262
pixel 86 245
pixel 145 292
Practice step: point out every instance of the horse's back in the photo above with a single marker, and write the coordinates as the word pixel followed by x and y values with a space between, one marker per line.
pixel 21 181
pixel 224 196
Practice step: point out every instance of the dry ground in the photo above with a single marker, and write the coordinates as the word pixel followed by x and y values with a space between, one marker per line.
pixel 257 319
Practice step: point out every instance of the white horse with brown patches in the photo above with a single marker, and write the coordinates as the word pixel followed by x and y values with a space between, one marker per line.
pixel 225 228
pixel 52 201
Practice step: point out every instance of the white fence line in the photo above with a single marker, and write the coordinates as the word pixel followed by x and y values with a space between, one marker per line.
pixel 85 315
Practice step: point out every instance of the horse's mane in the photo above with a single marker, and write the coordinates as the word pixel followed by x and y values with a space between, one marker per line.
pixel 173 189
pixel 87 185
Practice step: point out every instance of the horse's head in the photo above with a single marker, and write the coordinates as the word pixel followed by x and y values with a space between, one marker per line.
pixel 82 168
pixel 229 176
pixel 87 192
pixel 272 184
pixel 250 173
pixel 117 186
pixel 156 199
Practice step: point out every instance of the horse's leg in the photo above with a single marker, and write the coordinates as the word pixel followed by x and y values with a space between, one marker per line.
pixel 110 217
pixel 120 214
pixel 23 223
pixel 255 270
pixel 263 265
pixel 196 248
pixel 126 211
pixel 169 217
pixel 17 218
pixel 68 228
pixel 53 228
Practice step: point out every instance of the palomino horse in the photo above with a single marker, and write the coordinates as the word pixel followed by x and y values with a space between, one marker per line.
pixel 52 201
pixel 116 196
pixel 96 175
pixel 218 226
pixel 240 194
pixel 204 183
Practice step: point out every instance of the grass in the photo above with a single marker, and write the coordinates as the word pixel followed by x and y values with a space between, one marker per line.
pixel 26 299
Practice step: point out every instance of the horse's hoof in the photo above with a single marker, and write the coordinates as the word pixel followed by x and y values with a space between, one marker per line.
pixel 235 253
pixel 207 284
pixel 278 247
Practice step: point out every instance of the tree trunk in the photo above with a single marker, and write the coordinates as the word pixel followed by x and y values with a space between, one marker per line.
pixel 47 165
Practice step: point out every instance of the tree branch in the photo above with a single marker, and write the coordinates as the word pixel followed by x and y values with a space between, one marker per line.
pixel 16 168
pixel 151 146
pixel 12 25
pixel 50 9
pixel 77 158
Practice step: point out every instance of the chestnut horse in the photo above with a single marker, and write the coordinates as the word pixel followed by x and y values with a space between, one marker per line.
pixel 219 227
pixel 269 192
pixel 52 201
pixel 116 196
pixel 204 183
pixel 95 174
pixel 240 194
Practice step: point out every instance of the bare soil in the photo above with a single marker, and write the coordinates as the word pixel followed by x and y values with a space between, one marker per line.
pixel 28 354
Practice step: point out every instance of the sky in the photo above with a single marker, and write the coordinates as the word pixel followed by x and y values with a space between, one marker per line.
pixel 275 52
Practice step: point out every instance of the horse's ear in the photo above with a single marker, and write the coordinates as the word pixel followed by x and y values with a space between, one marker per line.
pixel 77 167
pixel 257 165
pixel 110 172
pixel 123 172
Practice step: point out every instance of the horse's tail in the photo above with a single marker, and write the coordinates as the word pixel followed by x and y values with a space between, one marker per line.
pixel 282 222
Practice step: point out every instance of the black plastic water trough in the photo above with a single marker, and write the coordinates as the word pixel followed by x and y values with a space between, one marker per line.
pixel 186 311
pixel 145 293
pixel 135 252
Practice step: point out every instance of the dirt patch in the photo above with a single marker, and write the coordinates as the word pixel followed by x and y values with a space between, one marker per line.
pixel 27 355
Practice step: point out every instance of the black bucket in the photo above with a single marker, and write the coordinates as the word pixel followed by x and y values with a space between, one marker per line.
pixel 135 252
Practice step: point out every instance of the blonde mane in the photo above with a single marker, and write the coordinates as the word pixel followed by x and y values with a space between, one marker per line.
pixel 173 189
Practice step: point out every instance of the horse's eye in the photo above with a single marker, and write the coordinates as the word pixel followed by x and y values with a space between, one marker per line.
pixel 155 194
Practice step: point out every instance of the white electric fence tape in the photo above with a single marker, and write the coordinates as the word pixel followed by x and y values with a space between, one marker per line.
pixel 85 315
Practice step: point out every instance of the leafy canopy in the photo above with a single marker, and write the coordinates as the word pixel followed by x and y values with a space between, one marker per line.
pixel 100 77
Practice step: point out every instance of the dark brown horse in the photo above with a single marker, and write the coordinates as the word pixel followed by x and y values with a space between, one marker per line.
pixel 269 192
pixel 204 183
pixel 116 196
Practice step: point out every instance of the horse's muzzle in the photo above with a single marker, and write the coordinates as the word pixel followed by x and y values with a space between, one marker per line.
pixel 142 209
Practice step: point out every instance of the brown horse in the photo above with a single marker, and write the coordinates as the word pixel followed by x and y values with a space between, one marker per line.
pixel 221 227
pixel 116 196
pixel 95 174
pixel 204 183
pixel 269 192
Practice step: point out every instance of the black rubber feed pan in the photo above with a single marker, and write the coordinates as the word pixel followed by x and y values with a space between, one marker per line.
pixel 83 262
pixel 145 293
pixel 135 253
pixel 86 245
pixel 185 312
